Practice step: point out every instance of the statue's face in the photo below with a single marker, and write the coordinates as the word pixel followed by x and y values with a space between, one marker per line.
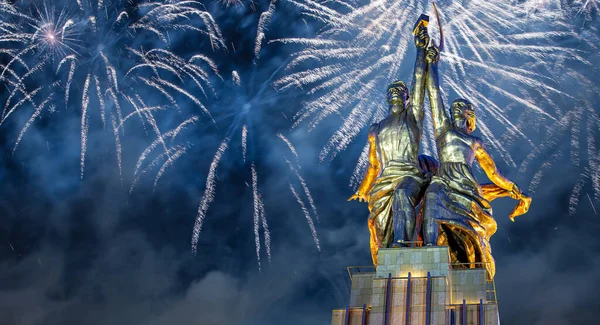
pixel 397 98
pixel 464 112
pixel 471 123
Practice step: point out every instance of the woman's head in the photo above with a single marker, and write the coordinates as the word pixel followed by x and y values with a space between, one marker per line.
pixel 463 115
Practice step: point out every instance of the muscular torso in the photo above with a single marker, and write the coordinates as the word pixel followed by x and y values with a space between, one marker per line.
pixel 398 139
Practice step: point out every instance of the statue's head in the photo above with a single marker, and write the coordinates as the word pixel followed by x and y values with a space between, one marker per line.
pixel 463 115
pixel 397 97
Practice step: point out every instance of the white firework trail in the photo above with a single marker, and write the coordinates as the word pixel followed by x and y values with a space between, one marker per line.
pixel 172 158
pixel 98 94
pixel 161 60
pixel 363 160
pixel 309 220
pixel 30 121
pixel 589 175
pixel 118 148
pixel 263 22
pixel 85 101
pixel 167 13
pixel 73 60
pixel 244 141
pixel 362 111
pixel 361 166
pixel 545 166
pixel 305 188
pixel 364 50
pixel 157 161
pixel 169 136
pixel 209 194
pixel 143 112
pixel 321 12
pixel 259 215
pixel 236 77
pixel 591 203
pixel 266 233
pixel 295 168
pixel 290 146
pixel 228 3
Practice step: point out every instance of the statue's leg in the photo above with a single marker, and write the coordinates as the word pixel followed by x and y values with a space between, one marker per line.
pixel 430 225
pixel 406 197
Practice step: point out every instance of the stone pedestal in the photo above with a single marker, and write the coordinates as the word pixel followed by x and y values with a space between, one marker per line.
pixel 418 286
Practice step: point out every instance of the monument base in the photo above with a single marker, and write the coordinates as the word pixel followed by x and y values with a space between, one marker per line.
pixel 419 286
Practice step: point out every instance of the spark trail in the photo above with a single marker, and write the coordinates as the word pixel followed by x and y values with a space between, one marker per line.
pixel 209 194
pixel 311 224
pixel 259 215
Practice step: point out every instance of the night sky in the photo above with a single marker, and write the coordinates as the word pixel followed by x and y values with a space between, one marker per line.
pixel 87 251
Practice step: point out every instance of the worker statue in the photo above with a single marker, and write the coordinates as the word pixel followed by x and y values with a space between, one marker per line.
pixel 394 183
pixel 456 208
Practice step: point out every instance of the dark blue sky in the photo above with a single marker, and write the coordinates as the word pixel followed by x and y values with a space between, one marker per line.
pixel 86 251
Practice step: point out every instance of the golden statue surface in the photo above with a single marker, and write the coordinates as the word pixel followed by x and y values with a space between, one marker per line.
pixel 394 183
pixel 456 209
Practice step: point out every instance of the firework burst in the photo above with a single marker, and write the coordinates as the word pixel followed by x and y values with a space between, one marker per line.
pixel 94 55
pixel 493 57
pixel 579 125
pixel 248 101
pixel 238 145
pixel 578 122
pixel 244 135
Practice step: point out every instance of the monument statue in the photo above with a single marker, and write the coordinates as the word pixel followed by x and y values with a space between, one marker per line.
pixel 415 200
pixel 456 209
pixel 394 184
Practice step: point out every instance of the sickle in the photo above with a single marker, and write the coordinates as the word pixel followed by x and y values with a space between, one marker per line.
pixel 437 17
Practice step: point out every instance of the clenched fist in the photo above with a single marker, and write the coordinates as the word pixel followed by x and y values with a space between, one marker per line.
pixel 433 54
pixel 422 38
